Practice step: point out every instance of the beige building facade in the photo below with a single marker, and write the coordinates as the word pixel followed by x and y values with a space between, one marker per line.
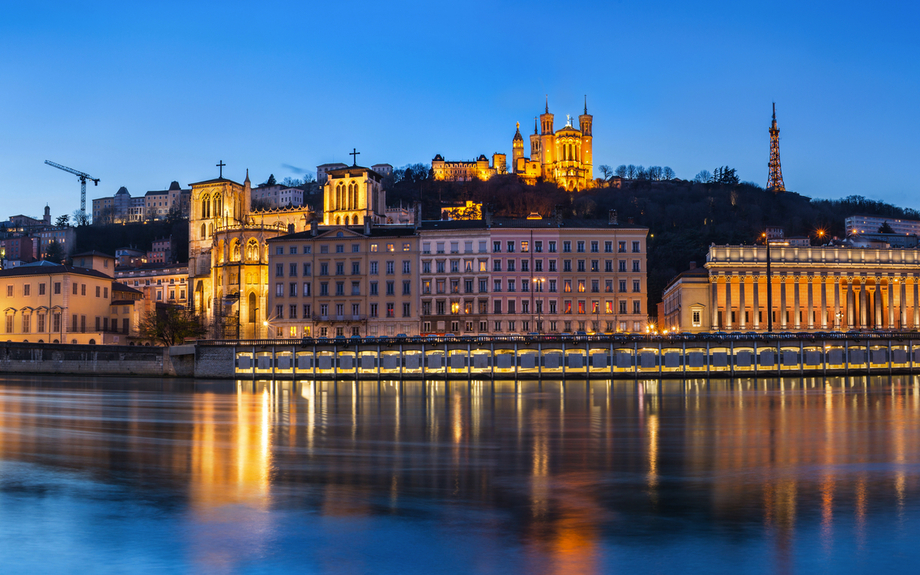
pixel 827 288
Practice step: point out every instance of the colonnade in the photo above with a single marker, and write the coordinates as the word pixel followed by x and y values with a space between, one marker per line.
pixel 814 301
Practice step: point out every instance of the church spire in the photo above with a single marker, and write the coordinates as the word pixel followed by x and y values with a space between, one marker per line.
pixel 535 126
pixel 547 103
pixel 586 104
pixel 247 176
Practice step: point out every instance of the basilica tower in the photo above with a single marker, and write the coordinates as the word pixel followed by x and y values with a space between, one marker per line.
pixel 536 151
pixel 547 143
pixel 517 148
pixel 587 156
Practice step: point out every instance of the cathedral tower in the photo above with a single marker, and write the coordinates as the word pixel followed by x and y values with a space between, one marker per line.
pixel 547 145
pixel 584 122
pixel 517 148
pixel 536 151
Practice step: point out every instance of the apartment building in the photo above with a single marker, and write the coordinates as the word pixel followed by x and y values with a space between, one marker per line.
pixel 336 281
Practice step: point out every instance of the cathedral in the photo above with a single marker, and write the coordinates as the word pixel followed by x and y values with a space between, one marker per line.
pixel 562 156
pixel 228 249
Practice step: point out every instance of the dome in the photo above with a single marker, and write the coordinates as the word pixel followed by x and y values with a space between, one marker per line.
pixel 122 190
pixel 517 134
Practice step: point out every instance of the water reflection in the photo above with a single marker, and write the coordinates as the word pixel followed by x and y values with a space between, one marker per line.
pixel 542 477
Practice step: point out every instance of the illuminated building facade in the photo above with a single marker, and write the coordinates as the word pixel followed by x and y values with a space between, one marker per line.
pixel 563 156
pixel 828 288
pixel 53 303
pixel 466 171
pixel 353 195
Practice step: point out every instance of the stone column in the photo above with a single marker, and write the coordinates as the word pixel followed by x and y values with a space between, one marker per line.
pixel 810 303
pixel 851 303
pixel 742 303
pixel 877 300
pixel 837 307
pixel 727 316
pixel 782 302
pixel 797 318
pixel 902 323
pixel 890 301
pixel 863 289
pixel 714 304
pixel 756 317
pixel 823 307
pixel 916 308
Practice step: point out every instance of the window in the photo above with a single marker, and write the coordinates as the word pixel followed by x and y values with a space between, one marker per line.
pixel 511 247
pixel 406 288
pixel 567 265
pixel 552 265
pixel 355 248
pixel 552 247
pixel 306 289
pixel 306 311
pixel 279 270
pixel 637 286
pixel 498 326
pixel 636 267
pixel 538 246
pixel 292 312
pixel 454 266
pixel 608 307
pixel 440 267
pixel 496 265
pixel 407 310
pixel 525 285
pixel 307 270
pixel 279 250
pixel 537 266
pixel 525 265
pixel 391 267
pixel 621 247
pixel 637 306
pixel 595 266
pixel 355 268
pixel 9 323
pixel 439 307
pixel 567 286
pixel 293 270
pixel 496 247
pixel 426 267
pixel 390 310
pixel 373 310
pixel 622 266
pixel 525 247
pixel 340 248
pixel 339 288
pixel 293 250
pixel 581 247
pixel 324 249
pixel 595 286
pixel 279 312
pixel 566 247
pixel 581 265
pixel 391 248
pixel 407 267
pixel 608 266
pixel 324 289
pixel 497 306
pixel 622 286
pixel 454 247
pixel 608 286
pixel 635 247
pixel 373 247
pixel 373 268
pixel 623 307
pixel 511 285
pixel 292 289
pixel 41 291
pixel 355 288
pixel 279 290
pixel 510 265
pixel 391 290
pixel 324 269
pixel 307 249
pixel 483 286
pixel 497 286
pixel 696 318
pixel 552 285
pixel 27 290
pixel 340 268
pixel 581 286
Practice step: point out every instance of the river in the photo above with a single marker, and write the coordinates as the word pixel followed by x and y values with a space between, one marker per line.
pixel 109 475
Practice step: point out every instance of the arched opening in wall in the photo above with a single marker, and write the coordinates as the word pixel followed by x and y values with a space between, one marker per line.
pixel 210 230
pixel 355 220
pixel 220 251
pixel 206 206
pixel 235 250
pixel 199 297
pixel 252 251
pixel 338 220
pixel 55 341
pixel 73 341
pixel 252 307
pixel 204 231
pixel 92 342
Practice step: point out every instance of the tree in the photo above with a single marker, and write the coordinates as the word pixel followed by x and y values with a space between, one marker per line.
pixel 62 221
pixel 55 253
pixel 885 228
pixel 605 171
pixel 80 218
pixel 631 172
pixel 170 325
pixel 292 182
pixel 704 177
pixel 654 173
pixel 620 171
pixel 270 181
pixel 667 173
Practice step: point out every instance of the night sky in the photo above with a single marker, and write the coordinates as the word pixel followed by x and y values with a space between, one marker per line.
pixel 140 94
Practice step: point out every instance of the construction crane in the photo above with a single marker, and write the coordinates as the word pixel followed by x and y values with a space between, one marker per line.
pixel 83 177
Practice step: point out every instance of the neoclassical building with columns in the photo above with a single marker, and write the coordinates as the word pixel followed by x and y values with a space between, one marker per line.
pixel 826 288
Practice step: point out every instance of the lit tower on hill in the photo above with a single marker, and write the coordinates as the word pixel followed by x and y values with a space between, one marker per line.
pixel 775 180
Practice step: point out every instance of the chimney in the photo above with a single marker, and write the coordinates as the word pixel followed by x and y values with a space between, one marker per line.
pixel 693 265
pixel 612 218
pixel 313 229
pixel 367 225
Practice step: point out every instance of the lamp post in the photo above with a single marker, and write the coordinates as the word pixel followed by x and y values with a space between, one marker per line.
pixel 766 241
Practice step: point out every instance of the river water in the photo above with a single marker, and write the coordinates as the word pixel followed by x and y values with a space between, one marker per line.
pixel 107 475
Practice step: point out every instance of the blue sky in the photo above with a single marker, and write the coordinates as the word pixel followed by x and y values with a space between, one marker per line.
pixel 140 94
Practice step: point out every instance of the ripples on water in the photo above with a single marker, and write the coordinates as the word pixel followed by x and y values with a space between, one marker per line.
pixel 762 476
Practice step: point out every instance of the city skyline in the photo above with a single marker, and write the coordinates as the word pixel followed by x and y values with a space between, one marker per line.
pixel 139 97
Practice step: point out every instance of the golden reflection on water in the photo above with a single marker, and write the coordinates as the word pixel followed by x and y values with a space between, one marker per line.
pixel 781 454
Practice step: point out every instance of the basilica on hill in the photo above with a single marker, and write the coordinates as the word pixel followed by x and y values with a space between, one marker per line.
pixel 563 156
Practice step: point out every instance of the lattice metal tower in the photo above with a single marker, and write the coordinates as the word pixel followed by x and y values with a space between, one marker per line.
pixel 775 180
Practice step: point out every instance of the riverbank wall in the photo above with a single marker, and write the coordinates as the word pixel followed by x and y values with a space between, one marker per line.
pixel 541 357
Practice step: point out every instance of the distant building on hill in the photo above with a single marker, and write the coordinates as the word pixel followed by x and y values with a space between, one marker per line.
pixel 870 225
pixel 154 205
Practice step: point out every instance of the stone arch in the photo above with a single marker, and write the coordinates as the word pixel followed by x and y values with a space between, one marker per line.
pixel 235 250
pixel 253 309
pixel 210 230
pixel 220 251
pixel 204 231
pixel 338 220
pixel 206 206
pixel 252 250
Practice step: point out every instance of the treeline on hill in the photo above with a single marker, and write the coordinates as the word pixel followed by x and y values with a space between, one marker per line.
pixel 684 217
pixel 108 238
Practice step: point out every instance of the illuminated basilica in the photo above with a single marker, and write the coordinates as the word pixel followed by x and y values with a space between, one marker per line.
pixel 563 156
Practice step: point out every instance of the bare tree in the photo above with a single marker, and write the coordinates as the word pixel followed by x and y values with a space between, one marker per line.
pixel 668 173
pixel 605 171
pixel 704 177
pixel 631 172
pixel 620 171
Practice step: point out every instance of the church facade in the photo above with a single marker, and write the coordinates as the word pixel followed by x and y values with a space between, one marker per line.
pixel 228 256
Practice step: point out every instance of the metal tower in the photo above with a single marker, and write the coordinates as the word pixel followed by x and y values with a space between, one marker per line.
pixel 775 180
pixel 83 178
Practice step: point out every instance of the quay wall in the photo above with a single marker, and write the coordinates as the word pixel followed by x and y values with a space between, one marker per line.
pixel 480 358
